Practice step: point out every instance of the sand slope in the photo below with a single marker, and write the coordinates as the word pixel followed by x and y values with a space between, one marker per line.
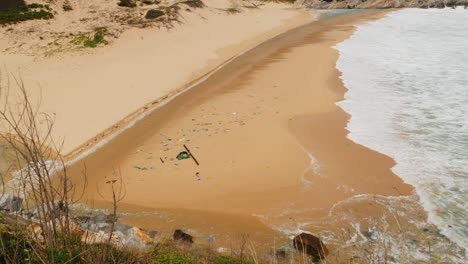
pixel 92 90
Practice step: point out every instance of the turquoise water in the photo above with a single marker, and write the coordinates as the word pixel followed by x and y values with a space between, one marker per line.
pixel 330 13
pixel 407 76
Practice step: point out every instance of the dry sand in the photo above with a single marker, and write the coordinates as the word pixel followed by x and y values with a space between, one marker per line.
pixel 91 91
pixel 271 143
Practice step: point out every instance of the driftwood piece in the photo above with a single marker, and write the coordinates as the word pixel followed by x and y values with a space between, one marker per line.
pixel 191 155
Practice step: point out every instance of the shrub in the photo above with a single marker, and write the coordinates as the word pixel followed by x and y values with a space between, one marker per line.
pixel 20 14
pixel 166 253
pixel 35 5
pixel 62 255
pixel 15 247
pixel 224 259
pixel 67 6
pixel 97 39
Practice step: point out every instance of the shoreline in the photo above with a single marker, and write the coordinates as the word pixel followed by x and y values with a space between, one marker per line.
pixel 241 104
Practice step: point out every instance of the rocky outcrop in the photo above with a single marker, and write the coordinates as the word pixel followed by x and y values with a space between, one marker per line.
pixel 364 4
pixel 127 3
pixel 310 245
pixel 97 229
pixel 10 203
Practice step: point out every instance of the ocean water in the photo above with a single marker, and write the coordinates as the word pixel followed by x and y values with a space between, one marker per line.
pixel 407 81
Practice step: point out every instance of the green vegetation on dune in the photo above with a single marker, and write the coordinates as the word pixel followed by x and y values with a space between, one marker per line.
pixel 96 40
pixel 18 247
pixel 91 40
pixel 23 13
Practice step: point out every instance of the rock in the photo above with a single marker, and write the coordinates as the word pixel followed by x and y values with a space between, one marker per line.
pixel 311 245
pixel 127 3
pixel 123 228
pixel 152 234
pixel 10 203
pixel 123 235
pixel 96 218
pixel 180 235
pixel 154 13
pixel 437 5
pixel 150 2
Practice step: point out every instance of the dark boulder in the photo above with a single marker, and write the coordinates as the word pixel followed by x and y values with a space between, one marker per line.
pixel 127 3
pixel 150 2
pixel 181 236
pixel 154 13
pixel 311 245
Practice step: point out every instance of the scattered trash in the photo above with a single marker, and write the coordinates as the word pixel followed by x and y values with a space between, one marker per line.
pixel 162 161
pixel 440 234
pixel 183 155
pixel 198 176
pixel 234 113
pixel 211 238
pixel 411 243
pixel 140 168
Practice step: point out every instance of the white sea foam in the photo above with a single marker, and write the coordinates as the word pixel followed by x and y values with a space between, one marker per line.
pixel 407 76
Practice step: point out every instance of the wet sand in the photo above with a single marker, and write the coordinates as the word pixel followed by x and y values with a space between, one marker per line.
pixel 270 141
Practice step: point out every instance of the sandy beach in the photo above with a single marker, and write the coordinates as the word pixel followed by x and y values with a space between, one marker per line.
pixel 227 122
pixel 93 93
pixel 271 143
